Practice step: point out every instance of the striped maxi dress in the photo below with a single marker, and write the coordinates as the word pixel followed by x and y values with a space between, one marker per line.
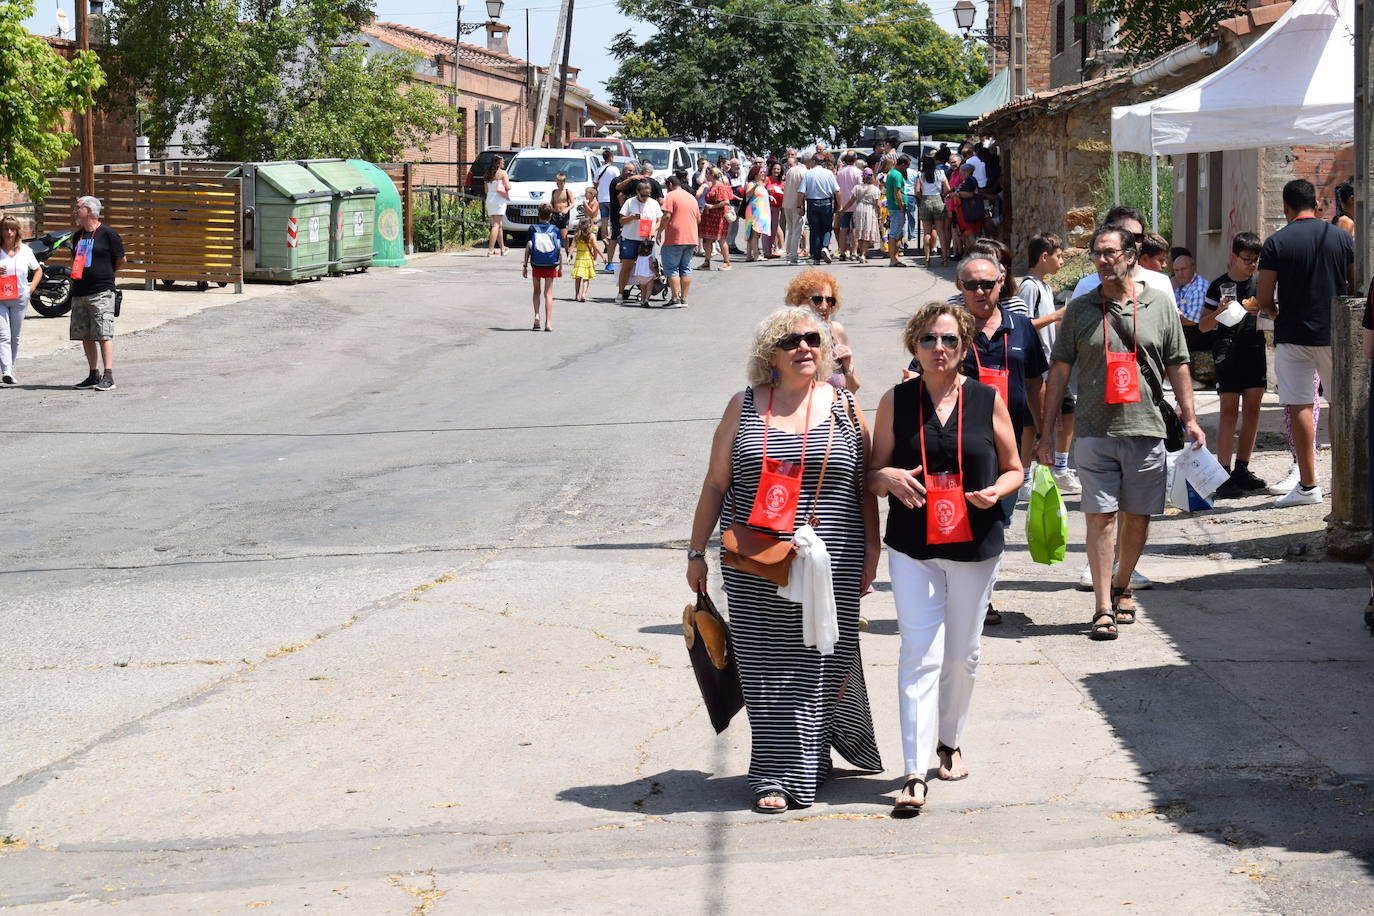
pixel 801 703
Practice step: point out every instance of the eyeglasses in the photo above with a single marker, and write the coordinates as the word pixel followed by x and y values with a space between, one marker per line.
pixel 1250 259
pixel 928 341
pixel 986 286
pixel 828 300
pixel 811 338
pixel 1110 254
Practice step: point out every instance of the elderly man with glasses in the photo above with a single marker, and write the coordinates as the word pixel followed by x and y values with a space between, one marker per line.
pixel 1124 337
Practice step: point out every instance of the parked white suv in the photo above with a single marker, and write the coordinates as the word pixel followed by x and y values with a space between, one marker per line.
pixel 666 156
pixel 532 172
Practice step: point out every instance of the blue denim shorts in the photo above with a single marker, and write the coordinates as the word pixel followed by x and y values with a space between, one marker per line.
pixel 677 260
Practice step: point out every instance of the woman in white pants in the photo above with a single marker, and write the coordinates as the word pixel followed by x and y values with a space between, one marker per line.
pixel 16 261
pixel 945 455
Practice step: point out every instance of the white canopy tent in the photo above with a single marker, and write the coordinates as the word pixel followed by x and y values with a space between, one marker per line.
pixel 1294 85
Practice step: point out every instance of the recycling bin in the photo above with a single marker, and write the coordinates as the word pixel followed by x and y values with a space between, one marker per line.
pixel 352 214
pixel 287 215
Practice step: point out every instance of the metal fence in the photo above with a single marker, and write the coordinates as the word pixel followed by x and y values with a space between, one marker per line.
pixel 445 216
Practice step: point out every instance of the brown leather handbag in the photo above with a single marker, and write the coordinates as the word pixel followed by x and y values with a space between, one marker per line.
pixel 764 555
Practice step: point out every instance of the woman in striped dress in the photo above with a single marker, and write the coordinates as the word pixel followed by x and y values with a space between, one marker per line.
pixel 801 703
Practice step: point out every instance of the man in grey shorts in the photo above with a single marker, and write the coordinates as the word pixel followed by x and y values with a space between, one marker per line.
pixel 97 254
pixel 1119 449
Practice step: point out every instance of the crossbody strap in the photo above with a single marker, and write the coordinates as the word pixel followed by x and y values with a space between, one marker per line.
pixel 811 518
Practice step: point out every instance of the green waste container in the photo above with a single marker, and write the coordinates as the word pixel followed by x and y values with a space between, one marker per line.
pixel 289 212
pixel 388 241
pixel 352 213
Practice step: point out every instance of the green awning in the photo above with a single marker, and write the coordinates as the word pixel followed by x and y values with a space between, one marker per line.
pixel 957 117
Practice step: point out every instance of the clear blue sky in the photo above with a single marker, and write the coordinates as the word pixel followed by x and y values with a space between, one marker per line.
pixel 595 22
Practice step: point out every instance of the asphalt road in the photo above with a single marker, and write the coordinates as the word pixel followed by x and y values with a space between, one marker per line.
pixel 360 597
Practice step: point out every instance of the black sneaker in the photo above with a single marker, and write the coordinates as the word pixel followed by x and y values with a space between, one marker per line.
pixel 1231 489
pixel 7 379
pixel 625 295
pixel 1247 481
pixel 89 381
pixel 106 382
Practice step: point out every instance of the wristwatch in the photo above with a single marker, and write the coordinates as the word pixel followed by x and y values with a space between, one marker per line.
pixel 695 554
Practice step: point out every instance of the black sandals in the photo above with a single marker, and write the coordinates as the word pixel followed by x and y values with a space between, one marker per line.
pixel 1123 614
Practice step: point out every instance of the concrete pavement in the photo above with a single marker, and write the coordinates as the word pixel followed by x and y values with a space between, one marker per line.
pixel 361 597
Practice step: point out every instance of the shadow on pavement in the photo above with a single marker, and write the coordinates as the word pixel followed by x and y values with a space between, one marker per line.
pixel 692 791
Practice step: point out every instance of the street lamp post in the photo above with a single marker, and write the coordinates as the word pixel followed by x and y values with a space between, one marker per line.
pixel 964 14
pixel 461 28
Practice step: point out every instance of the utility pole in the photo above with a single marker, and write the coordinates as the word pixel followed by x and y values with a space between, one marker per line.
pixel 529 76
pixel 541 117
pixel 560 127
pixel 85 121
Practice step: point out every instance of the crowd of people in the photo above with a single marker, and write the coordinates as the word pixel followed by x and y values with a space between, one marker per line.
pixel 817 208
pixel 1001 375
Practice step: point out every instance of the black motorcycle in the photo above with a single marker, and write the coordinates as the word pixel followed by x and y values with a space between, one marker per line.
pixel 51 298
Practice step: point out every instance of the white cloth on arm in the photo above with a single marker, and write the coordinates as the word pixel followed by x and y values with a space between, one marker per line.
pixel 811 585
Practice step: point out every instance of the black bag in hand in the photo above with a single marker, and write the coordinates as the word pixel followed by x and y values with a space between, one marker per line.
pixel 713 661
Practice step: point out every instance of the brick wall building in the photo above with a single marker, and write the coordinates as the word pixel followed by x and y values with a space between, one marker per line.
pixel 497 95
pixel 1056 147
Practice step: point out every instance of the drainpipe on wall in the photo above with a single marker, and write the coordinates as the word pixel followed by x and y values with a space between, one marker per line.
pixel 1175 62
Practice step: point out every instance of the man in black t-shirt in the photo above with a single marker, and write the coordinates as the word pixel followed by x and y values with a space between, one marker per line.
pixel 1302 269
pixel 1242 371
pixel 97 253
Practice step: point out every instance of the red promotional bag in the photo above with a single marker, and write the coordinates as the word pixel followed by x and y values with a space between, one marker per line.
pixel 946 508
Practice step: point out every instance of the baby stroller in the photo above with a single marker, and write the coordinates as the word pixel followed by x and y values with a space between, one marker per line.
pixel 647 265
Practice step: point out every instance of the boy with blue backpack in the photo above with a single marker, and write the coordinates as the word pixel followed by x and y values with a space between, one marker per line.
pixel 544 251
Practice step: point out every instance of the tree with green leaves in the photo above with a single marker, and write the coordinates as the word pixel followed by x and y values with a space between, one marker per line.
pixel 899 63
pixel 767 74
pixel 269 79
pixel 644 124
pixel 757 73
pixel 1148 28
pixel 37 87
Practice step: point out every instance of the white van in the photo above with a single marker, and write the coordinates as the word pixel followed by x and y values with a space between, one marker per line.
pixel 532 172
pixel 666 156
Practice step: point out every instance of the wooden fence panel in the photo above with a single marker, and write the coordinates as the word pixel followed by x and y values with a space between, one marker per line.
pixel 174 227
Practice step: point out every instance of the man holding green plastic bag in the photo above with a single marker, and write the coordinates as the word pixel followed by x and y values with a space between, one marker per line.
pixel 1124 337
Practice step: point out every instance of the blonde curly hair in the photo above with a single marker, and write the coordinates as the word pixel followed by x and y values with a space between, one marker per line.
pixel 784 321
pixel 926 315
pixel 804 285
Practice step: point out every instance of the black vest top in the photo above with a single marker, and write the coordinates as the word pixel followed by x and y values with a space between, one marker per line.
pixel 906 528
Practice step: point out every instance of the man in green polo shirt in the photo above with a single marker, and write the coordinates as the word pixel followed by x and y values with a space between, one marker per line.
pixel 1119 449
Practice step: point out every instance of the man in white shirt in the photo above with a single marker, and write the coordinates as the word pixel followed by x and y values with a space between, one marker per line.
pixel 792 209
pixel 635 213
pixel 980 169
pixel 1128 218
pixel 606 178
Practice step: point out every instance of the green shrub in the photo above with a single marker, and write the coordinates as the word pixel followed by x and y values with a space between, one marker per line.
pixel 457 222
pixel 1135 191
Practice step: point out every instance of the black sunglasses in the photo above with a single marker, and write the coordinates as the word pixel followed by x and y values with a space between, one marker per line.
pixel 828 300
pixel 951 341
pixel 811 338
pixel 985 285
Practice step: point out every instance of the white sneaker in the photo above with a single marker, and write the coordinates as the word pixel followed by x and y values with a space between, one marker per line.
pixel 1285 486
pixel 1299 497
pixel 1139 581
pixel 1024 493
pixel 1067 481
